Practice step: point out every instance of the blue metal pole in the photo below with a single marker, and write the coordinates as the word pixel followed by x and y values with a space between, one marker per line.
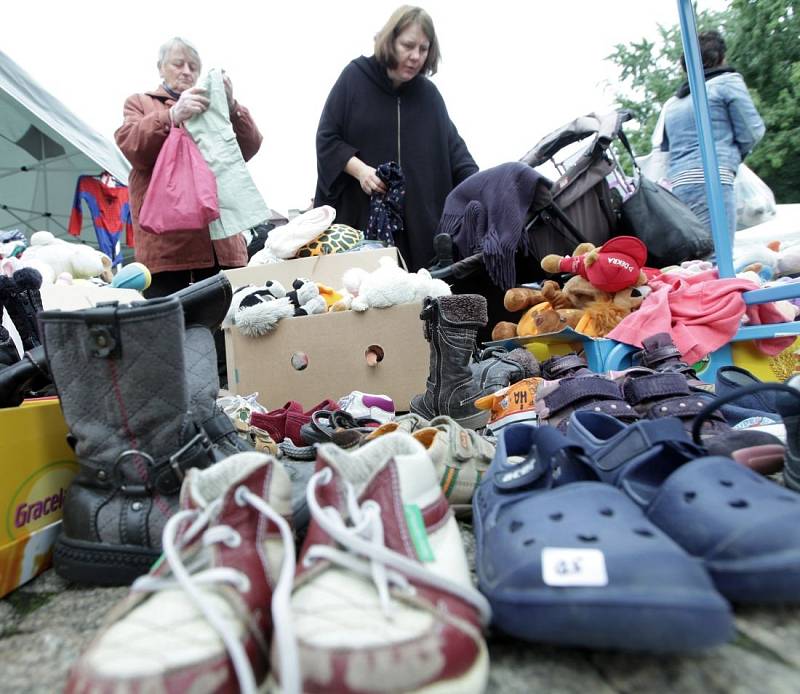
pixel 705 137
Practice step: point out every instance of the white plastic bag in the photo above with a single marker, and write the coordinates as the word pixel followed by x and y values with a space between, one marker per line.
pixel 655 166
pixel 755 202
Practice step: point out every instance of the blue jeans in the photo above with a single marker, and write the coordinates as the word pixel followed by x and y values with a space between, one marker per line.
pixel 695 197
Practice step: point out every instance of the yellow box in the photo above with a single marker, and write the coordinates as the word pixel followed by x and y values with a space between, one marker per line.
pixel 37 467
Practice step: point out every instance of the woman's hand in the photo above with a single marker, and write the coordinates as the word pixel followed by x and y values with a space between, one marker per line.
pixel 365 175
pixel 191 102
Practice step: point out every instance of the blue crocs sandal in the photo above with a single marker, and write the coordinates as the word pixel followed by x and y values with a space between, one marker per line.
pixel 579 564
pixel 744 528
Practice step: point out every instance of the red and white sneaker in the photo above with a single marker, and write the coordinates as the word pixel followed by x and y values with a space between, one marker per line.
pixel 382 600
pixel 200 620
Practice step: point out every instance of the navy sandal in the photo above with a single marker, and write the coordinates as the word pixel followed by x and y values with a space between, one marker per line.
pixel 744 528
pixel 567 560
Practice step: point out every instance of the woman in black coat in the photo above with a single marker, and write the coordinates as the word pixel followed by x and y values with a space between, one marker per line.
pixel 384 108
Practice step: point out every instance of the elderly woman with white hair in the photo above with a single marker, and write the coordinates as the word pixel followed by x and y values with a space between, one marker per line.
pixel 179 258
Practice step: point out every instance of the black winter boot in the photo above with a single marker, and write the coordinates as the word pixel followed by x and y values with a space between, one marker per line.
pixel 20 295
pixel 8 350
pixel 28 377
pixel 121 377
pixel 451 327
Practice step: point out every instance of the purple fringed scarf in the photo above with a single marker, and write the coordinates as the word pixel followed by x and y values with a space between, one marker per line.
pixel 487 213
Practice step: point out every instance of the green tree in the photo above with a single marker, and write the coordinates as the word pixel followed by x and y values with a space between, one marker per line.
pixel 764 45
pixel 763 38
pixel 650 72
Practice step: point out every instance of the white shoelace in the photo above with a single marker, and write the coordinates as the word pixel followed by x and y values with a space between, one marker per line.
pixel 364 552
pixel 190 582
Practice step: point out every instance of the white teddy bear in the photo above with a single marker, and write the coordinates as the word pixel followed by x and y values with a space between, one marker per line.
pixel 75 259
pixel 390 285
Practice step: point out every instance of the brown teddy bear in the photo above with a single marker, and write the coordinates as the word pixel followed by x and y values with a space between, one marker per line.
pixel 548 310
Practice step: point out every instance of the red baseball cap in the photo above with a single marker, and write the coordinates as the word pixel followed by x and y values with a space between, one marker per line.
pixel 618 264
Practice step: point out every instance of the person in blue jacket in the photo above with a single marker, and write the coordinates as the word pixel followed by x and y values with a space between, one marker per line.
pixel 736 124
pixel 384 108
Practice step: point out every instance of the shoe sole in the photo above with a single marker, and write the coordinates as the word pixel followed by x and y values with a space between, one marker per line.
pixel 101 565
pixel 770 579
pixel 473 681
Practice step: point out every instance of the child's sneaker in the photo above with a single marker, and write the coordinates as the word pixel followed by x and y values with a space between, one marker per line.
pixel 239 408
pixel 360 405
pixel 516 403
pixel 200 620
pixel 383 599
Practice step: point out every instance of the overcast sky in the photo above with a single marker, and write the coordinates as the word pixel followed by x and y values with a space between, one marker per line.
pixel 511 71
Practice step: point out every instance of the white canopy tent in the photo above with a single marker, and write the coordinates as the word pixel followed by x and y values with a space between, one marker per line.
pixel 43 149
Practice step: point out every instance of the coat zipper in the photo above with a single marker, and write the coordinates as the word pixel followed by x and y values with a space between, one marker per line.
pixel 399 163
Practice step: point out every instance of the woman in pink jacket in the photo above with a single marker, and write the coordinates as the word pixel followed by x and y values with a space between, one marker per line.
pixel 179 258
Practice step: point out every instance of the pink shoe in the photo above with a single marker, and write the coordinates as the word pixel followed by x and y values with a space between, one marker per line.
pixel 382 600
pixel 200 620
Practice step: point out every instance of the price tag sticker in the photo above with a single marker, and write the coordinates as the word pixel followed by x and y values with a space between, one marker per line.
pixel 568 566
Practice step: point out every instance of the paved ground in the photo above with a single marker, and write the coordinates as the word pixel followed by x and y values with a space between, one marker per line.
pixel 45 624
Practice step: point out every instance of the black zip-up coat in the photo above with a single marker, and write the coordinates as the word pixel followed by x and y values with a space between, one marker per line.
pixel 366 116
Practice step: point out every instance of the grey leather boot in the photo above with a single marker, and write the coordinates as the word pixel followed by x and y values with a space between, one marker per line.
pixel 121 377
pixel 451 327
pixel 205 304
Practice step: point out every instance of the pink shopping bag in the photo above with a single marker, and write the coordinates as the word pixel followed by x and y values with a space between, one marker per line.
pixel 182 195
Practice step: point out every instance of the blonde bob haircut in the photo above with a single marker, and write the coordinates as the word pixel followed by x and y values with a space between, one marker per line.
pixel 400 20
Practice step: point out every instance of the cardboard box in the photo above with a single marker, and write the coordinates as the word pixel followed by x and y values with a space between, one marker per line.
pixel 37 467
pixel 334 344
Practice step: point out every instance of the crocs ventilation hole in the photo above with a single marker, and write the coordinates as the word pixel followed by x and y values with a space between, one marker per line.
pixel 556 516
pixel 587 538
pixel 644 532
pixel 606 512
pixel 739 503
pixel 689 497
pixel 515 525
pixel 726 483
pixel 529 542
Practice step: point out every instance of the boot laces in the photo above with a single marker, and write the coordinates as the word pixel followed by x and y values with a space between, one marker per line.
pixel 190 577
pixel 362 550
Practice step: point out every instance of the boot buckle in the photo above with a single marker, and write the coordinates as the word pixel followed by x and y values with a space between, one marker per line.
pixel 189 454
pixel 118 478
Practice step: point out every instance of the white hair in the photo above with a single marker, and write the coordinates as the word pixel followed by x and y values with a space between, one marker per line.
pixel 163 52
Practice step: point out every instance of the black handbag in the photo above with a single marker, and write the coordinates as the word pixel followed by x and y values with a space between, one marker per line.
pixel 666 225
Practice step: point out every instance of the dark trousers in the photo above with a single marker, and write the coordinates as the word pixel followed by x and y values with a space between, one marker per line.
pixel 166 283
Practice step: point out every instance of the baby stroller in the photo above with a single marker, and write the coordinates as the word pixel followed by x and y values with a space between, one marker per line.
pixel 579 206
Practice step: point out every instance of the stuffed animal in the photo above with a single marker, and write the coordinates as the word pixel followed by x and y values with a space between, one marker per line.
pixel 769 261
pixel 548 310
pixel 592 312
pixel 601 316
pixel 390 285
pixel 78 259
pixel 256 310
pixel 520 298
pixel 615 265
